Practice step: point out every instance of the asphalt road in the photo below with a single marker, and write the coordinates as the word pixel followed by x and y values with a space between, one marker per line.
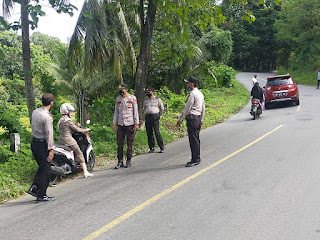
pixel 259 179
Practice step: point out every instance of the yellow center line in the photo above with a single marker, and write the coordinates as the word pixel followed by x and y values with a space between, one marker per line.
pixel 137 209
pixel 299 107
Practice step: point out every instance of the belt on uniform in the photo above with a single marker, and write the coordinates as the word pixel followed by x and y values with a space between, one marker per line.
pixel 39 139
pixel 191 116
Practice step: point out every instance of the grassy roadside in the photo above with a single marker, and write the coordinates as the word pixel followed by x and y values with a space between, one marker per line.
pixel 305 78
pixel 17 172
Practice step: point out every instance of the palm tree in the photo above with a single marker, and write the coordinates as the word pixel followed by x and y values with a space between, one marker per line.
pixel 7 6
pixel 105 43
pixel 72 76
pixel 25 25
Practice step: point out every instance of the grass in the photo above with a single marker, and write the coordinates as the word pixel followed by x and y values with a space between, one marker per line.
pixel 301 77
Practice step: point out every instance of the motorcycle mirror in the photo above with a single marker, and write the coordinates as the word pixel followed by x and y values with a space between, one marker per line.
pixel 88 122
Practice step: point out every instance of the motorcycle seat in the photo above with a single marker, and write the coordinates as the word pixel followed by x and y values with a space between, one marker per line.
pixel 63 147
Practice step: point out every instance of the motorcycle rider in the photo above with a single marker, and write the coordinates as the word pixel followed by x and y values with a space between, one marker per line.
pixel 66 127
pixel 258 93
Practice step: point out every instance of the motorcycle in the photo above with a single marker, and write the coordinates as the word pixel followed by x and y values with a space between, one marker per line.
pixel 256 109
pixel 63 162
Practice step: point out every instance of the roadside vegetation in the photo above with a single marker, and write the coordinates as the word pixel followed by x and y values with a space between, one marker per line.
pixel 185 38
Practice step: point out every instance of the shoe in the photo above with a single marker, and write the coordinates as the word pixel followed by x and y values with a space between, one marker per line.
pixel 86 175
pixel 128 163
pixel 45 199
pixel 33 190
pixel 191 164
pixel 151 150
pixel 119 165
pixel 161 151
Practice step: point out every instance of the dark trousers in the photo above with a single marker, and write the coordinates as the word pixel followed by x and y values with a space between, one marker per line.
pixel 152 125
pixel 42 177
pixel 122 132
pixel 318 83
pixel 194 126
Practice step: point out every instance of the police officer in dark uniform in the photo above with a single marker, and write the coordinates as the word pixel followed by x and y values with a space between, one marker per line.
pixel 42 146
pixel 153 108
pixel 194 114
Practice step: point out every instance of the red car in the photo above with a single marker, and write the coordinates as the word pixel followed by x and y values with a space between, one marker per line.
pixel 281 88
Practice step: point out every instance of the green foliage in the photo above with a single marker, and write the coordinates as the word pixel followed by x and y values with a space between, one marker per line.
pixel 301 76
pixel 48 44
pixel 216 45
pixel 16 172
pixel 224 74
pixel 10 115
pixel 11 58
pixel 254 45
pixel 299 35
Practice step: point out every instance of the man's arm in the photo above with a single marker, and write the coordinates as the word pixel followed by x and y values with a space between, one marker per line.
pixel 115 116
pixel 187 108
pixel 161 106
pixel 135 112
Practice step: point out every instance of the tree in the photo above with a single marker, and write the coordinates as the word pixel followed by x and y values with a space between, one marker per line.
pixel 254 45
pixel 299 34
pixel 103 30
pixel 32 9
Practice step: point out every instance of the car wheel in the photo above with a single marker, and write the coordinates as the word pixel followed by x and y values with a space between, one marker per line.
pixel 297 102
pixel 266 105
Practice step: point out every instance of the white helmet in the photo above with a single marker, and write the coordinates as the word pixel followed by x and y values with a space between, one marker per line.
pixel 66 107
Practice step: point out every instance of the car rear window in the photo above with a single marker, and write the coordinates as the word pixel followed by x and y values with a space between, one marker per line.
pixel 279 81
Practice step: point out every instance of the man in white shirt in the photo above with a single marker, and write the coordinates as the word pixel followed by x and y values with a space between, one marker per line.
pixel 194 114
pixel 254 79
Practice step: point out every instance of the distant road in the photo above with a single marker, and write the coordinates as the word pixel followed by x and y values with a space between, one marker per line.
pixel 259 179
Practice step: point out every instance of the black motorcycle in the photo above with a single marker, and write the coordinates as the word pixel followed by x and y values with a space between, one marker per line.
pixel 256 109
pixel 63 162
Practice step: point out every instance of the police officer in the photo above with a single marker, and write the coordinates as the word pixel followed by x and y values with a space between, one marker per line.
pixel 42 146
pixel 126 118
pixel 194 114
pixel 153 108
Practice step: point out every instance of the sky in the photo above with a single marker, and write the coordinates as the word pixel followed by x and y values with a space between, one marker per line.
pixel 53 24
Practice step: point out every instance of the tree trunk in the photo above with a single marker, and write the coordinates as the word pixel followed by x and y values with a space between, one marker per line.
pixel 27 57
pixel 147 25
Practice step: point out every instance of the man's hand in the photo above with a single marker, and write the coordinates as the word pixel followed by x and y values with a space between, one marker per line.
pixel 136 127
pixel 114 127
pixel 50 157
pixel 178 124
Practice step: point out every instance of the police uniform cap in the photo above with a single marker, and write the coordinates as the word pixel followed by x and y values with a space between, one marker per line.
pixel 149 90
pixel 192 80
pixel 123 86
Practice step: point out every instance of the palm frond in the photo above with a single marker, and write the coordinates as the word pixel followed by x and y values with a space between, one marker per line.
pixel 7 6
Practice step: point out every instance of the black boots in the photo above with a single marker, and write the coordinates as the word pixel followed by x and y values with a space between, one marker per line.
pixel 120 164
pixel 128 163
pixel 33 190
